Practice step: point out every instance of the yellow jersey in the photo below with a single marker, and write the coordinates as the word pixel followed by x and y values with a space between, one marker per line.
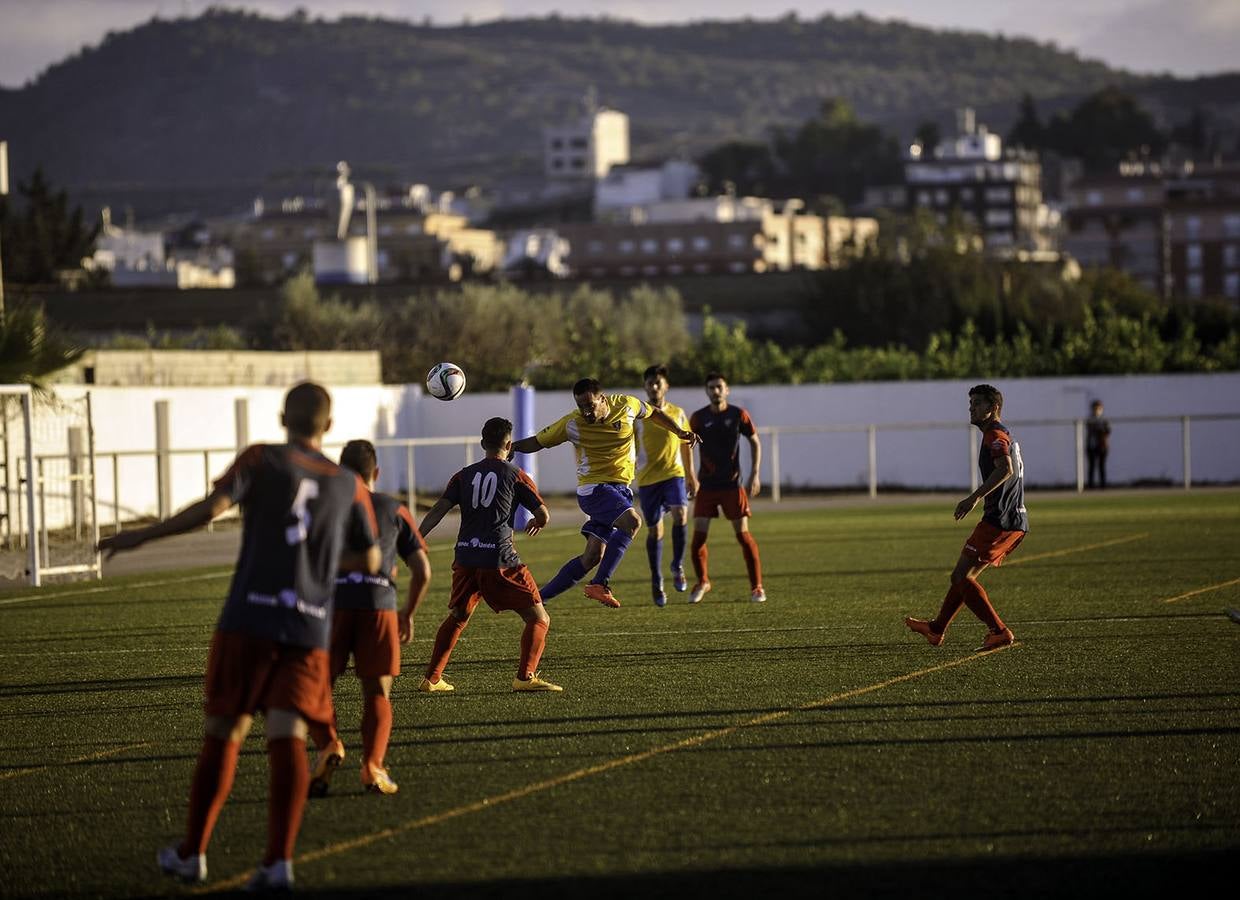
pixel 658 450
pixel 605 449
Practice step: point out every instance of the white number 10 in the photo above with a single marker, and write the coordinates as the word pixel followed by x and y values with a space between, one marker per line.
pixel 484 489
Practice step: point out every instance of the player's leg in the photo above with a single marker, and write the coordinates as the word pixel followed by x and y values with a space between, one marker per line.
pixel 576 568
pixel 325 736
pixel 624 528
pixel 533 641
pixel 376 732
pixel 651 496
pixel 680 518
pixel 1102 469
pixel 736 508
pixel 697 550
pixel 934 629
pixel 286 800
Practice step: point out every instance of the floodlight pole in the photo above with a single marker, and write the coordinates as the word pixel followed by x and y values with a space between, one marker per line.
pixel 4 190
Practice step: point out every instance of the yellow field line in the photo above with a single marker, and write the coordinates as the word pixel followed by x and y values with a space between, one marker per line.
pixel 1070 550
pixel 1213 587
pixel 100 755
pixel 597 769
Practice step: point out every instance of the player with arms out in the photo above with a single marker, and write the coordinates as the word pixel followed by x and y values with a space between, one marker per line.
pixel 601 432
pixel 1002 528
pixel 487 566
pixel 303 517
pixel 365 626
pixel 665 483
pixel 720 426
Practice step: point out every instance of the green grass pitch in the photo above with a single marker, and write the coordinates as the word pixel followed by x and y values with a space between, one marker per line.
pixel 810 746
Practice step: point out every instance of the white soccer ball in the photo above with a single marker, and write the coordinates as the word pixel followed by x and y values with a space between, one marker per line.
pixel 446 381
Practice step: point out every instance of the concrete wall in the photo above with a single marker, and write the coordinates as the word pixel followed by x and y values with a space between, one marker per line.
pixel 920 457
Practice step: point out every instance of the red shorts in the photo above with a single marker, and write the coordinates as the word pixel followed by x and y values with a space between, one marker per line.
pixel 733 500
pixel 990 545
pixel 371 637
pixel 247 674
pixel 512 588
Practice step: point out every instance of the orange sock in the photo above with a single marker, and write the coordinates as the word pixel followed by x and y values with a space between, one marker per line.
pixel 533 639
pixel 376 729
pixel 951 605
pixel 286 799
pixel 753 562
pixel 979 604
pixel 445 640
pixel 697 552
pixel 213 779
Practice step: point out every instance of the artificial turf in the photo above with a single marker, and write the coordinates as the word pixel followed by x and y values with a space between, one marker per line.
pixel 807 746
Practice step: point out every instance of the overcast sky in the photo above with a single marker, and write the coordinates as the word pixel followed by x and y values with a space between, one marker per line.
pixel 1187 37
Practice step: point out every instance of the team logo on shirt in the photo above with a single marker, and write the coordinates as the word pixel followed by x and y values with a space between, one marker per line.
pixel 475 544
pixel 617 425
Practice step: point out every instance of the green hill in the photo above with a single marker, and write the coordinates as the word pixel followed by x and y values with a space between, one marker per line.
pixel 228 101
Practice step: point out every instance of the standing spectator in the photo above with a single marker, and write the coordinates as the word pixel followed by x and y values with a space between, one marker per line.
pixel 1097 443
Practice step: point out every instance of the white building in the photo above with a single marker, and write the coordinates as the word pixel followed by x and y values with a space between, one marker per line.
pixel 626 188
pixel 587 148
pixel 138 259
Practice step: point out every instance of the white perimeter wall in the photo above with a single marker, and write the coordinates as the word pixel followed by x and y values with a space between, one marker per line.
pixel 124 419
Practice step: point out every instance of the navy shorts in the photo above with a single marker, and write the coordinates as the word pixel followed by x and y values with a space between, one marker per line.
pixel 603 505
pixel 660 497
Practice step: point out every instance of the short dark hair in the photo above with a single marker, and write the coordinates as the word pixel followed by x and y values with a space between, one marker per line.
pixel 495 432
pixel 359 455
pixel 307 409
pixel 587 386
pixel 989 393
pixel 713 375
pixel 659 371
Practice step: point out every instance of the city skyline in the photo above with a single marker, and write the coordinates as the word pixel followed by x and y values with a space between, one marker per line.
pixel 1185 37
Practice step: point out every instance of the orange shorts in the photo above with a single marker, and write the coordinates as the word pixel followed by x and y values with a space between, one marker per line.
pixel 371 637
pixel 990 545
pixel 512 588
pixel 733 500
pixel 247 674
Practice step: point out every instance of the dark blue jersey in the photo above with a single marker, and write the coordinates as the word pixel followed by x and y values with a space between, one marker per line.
pixel 300 511
pixel 488 494
pixel 719 452
pixel 398 538
pixel 1005 507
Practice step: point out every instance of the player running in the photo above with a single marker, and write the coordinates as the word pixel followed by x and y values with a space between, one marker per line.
pixel 487 566
pixel 365 626
pixel 1002 528
pixel 720 426
pixel 269 652
pixel 601 432
pixel 665 483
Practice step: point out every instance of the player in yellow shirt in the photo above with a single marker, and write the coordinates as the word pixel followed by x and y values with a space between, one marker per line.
pixel 601 432
pixel 665 483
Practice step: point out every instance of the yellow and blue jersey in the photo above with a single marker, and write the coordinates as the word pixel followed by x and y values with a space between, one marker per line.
pixel 605 449
pixel 658 450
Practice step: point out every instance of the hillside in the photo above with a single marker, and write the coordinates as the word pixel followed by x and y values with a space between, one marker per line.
pixel 231 100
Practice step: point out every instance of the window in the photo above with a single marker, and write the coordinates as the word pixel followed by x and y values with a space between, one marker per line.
pixel 923 198
pixel 998 195
pixel 966 195
pixel 385 230
pixel 1231 285
pixel 289 260
pixel 1194 285
pixel 675 245
pixel 675 269
pixel 701 268
pixel 626 246
pixel 1192 256
pixel 310 232
pixel 595 247
pixel 557 144
pixel 940 197
pixel 578 143
pixel 1231 225
pixel 268 233
pixel 736 242
pixel 1231 256
pixel 577 162
pixel 1192 225
pixel 628 271
pixel 701 243
pixel 1135 195
pixel 413 228
pixel 650 270
pixel 998 217
pixel 557 163
pixel 650 245
pixel 1093 198
pixel 738 267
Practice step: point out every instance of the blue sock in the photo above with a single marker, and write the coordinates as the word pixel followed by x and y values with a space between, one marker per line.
pixel 654 551
pixel 678 546
pixel 571 573
pixel 617 542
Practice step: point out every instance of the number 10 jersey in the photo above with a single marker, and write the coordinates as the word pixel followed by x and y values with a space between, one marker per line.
pixel 488 493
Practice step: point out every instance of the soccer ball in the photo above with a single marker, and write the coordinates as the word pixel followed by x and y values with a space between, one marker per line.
pixel 445 381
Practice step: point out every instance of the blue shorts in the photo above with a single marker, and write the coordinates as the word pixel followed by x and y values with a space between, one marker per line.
pixel 660 497
pixel 603 505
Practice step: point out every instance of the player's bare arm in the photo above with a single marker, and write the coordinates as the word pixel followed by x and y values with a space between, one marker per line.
pixel 419 583
pixel 755 451
pixel 435 516
pixel 525 445
pixel 663 420
pixel 541 517
pixel 1002 472
pixel 193 516
pixel 691 481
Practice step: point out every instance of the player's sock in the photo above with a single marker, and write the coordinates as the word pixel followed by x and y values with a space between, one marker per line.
pixel 654 553
pixel 678 546
pixel 213 779
pixel 533 640
pixel 445 640
pixel 979 604
pixel 753 561
pixel 570 573
pixel 698 551
pixel 290 783
pixel 617 542
pixel 376 729
pixel 951 605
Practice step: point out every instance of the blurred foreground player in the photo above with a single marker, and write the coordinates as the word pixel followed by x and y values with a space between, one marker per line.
pixel 303 517
pixel 365 627
pixel 1003 526
pixel 487 566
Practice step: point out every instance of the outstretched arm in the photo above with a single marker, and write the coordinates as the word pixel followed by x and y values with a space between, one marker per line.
pixel 435 516
pixel 525 445
pixel 193 516
pixel 663 420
